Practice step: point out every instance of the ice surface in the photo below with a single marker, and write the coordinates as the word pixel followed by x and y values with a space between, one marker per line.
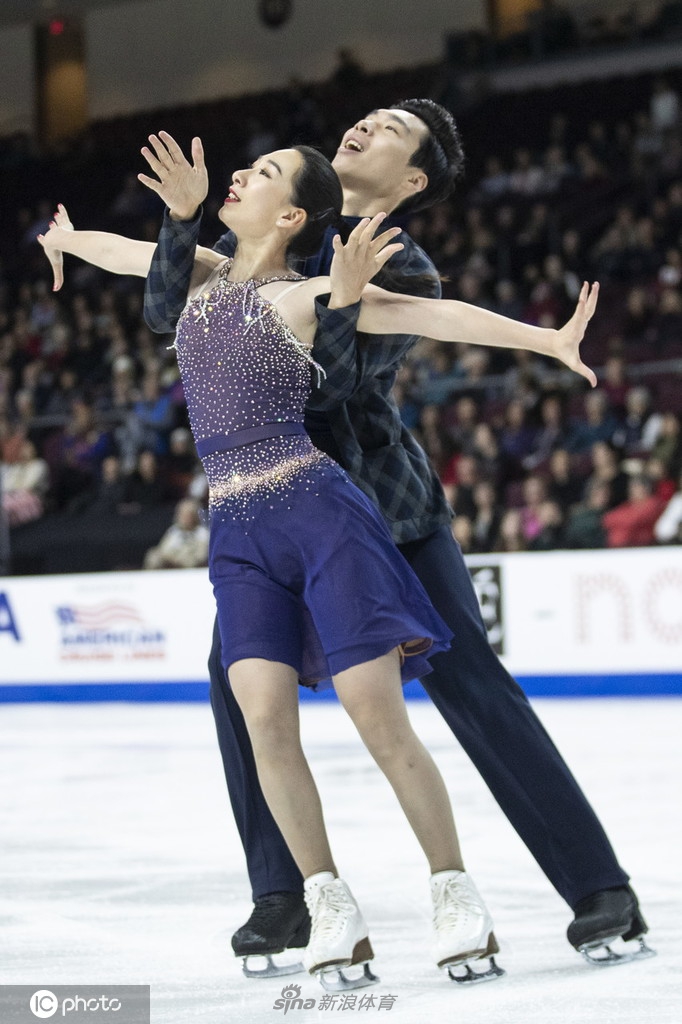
pixel 120 863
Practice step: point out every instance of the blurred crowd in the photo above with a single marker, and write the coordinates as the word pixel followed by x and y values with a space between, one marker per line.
pixel 93 424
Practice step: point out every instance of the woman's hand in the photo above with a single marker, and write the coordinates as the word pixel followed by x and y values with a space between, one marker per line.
pixel 50 243
pixel 569 336
pixel 355 263
pixel 182 186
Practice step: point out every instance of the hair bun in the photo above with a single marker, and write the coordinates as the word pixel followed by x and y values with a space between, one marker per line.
pixel 329 217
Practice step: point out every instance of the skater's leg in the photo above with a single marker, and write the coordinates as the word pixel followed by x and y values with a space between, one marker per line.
pixel 267 693
pixel 372 695
pixel 271 867
pixel 492 719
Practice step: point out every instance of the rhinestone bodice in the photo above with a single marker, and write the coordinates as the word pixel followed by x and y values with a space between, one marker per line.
pixel 242 367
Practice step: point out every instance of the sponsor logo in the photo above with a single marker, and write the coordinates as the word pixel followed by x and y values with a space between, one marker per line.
pixel 8 622
pixel 109 630
pixel 487 581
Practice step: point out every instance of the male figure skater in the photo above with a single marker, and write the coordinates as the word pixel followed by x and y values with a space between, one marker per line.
pixel 397 160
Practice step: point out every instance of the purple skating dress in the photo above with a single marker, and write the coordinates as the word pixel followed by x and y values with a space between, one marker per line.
pixel 303 568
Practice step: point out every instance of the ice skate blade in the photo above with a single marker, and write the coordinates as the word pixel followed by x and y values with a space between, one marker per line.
pixel 362 952
pixel 333 979
pixel 611 959
pixel 271 969
pixel 470 977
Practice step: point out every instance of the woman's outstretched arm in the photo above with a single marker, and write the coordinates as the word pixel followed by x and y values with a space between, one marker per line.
pixel 114 253
pixel 449 320
pixel 384 312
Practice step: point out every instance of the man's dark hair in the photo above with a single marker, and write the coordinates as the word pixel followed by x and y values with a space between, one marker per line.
pixel 440 155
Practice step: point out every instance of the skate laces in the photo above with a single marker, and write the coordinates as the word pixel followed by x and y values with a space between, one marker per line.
pixel 453 900
pixel 268 909
pixel 330 908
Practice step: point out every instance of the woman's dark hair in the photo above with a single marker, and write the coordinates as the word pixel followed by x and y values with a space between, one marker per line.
pixel 440 155
pixel 317 190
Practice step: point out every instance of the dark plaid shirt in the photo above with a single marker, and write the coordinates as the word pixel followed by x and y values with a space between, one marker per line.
pixel 352 416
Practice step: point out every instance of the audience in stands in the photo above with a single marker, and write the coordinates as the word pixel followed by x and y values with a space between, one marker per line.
pixel 92 420
pixel 632 523
pixel 23 485
pixel 668 527
pixel 184 545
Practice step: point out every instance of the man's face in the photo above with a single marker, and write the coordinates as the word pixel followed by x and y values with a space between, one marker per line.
pixel 376 152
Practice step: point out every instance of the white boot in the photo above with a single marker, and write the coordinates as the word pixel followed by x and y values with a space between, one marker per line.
pixel 338 933
pixel 461 920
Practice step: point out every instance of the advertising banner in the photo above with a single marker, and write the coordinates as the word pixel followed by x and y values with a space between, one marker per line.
pixel 589 621
pixel 562 622
pixel 131 628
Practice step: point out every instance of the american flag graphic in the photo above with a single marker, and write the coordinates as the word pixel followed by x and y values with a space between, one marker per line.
pixel 98 616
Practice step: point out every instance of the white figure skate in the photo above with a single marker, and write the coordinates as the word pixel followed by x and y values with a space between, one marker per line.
pixel 464 928
pixel 338 934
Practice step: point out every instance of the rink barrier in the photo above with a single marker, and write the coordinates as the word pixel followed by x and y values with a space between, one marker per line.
pixel 193 693
pixel 598 623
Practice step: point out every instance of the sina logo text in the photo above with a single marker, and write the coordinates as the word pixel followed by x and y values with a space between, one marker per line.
pixel 291 1000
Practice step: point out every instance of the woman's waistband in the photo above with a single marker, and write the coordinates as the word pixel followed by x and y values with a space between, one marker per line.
pixel 248 435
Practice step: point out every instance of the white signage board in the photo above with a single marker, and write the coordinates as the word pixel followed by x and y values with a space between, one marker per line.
pixel 596 615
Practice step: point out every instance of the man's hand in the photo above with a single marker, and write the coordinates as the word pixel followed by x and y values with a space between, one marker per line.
pixel 355 263
pixel 50 243
pixel 182 186
pixel 569 336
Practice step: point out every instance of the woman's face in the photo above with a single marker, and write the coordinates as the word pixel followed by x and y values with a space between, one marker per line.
pixel 260 195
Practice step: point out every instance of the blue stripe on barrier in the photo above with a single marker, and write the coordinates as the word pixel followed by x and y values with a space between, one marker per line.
pixel 633 685
pixel 73 692
pixel 644 684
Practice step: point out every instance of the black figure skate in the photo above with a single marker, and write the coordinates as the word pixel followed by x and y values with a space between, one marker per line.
pixel 604 918
pixel 279 921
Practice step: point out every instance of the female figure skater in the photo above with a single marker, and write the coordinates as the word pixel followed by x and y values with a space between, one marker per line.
pixel 307 581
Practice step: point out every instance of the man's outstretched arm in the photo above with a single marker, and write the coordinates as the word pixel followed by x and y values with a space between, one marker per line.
pixel 349 364
pixel 165 292
pixel 183 187
pixel 167 285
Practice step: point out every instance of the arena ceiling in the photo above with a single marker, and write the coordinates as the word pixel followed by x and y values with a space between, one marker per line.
pixel 22 12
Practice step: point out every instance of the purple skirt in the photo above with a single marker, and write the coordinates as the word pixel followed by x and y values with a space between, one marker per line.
pixel 311 578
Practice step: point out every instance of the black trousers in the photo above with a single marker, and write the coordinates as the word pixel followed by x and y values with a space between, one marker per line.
pixel 492 719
